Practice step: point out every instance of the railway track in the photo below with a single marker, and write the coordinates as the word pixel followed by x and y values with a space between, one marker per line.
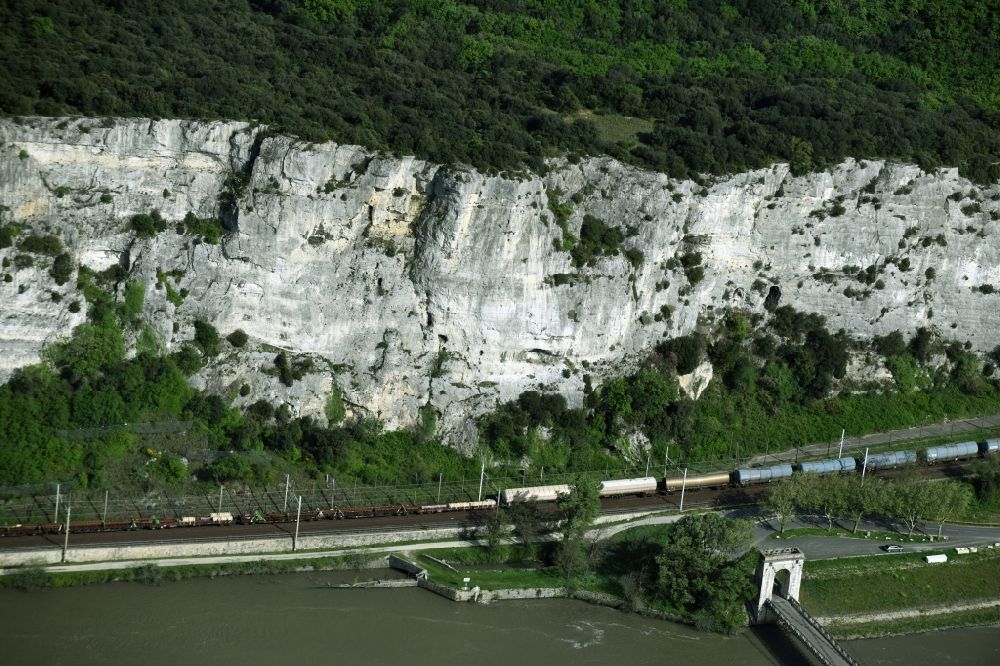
pixel 718 498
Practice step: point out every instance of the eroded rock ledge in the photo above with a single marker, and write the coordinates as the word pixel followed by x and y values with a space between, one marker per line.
pixel 411 284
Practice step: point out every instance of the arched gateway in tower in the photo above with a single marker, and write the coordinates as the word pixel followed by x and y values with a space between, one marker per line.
pixel 779 572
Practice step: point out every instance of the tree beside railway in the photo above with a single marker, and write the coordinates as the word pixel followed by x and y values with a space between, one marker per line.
pixel 782 501
pixel 986 481
pixel 908 500
pixel 577 511
pixel 951 498
pixel 703 570
pixel 862 495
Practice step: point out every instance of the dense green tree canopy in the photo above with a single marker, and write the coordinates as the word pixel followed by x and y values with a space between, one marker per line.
pixel 699 573
pixel 681 86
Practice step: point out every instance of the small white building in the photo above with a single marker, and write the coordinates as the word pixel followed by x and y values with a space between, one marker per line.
pixel 936 559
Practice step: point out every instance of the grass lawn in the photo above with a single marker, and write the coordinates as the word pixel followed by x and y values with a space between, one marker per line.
pixel 489 577
pixel 642 532
pixel 841 532
pixel 616 128
pixel 511 567
pixel 35 577
pixel 898 582
pixel 969 618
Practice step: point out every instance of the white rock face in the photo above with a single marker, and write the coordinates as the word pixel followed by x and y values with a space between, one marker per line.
pixel 694 383
pixel 410 284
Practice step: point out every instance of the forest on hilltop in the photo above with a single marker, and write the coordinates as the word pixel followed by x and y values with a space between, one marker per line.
pixel 683 86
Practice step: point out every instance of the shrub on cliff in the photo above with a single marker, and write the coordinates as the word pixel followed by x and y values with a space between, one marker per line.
pixel 62 268
pixel 48 244
pixel 147 226
pixel 207 337
pixel 238 338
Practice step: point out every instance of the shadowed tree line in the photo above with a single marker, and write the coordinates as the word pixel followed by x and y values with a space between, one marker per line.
pixel 500 84
pixel 851 499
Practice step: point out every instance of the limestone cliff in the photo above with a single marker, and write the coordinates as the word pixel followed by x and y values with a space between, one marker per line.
pixel 411 284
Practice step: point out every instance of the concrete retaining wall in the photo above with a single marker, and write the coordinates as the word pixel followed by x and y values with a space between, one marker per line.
pixel 370 584
pixel 149 551
pixel 406 566
pixel 599 598
pixel 141 551
pixel 450 592
pixel 522 593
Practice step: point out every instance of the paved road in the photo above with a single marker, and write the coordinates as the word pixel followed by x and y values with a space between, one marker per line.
pixel 858 444
pixel 820 547
pixel 814 547
pixel 231 559
pixel 601 531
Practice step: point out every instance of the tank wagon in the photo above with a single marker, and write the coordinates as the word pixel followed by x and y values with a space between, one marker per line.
pixel 610 488
pixel 534 493
pixel 952 451
pixel 713 480
pixel 745 477
pixel 889 460
pixel 641 486
pixel 835 466
pixel 458 506
pixel 614 488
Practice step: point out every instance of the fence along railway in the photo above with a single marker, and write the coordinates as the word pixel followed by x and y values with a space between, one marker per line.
pixel 251 509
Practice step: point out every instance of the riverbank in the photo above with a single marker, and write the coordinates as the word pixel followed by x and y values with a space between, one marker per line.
pixel 275 545
pixel 305 617
pixel 37 577
pixel 900 623
pixel 866 597
pixel 623 573
pixel 505 572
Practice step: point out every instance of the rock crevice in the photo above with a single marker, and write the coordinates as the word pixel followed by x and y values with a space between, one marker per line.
pixel 412 285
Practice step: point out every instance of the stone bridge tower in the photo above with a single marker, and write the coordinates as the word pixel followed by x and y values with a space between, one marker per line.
pixel 779 571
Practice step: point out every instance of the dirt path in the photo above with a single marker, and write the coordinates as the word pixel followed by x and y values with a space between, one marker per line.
pixel 905 614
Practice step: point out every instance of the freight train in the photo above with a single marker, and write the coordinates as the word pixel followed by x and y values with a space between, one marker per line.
pixel 643 486
pixel 874 463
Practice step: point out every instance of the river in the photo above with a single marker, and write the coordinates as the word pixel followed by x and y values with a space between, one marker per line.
pixel 298 618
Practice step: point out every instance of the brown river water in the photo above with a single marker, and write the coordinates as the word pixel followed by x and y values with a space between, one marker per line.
pixel 298 618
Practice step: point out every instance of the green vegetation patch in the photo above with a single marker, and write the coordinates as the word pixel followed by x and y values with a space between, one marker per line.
pixel 697 569
pixel 8 232
pixel 210 230
pixel 176 298
pixel 505 574
pixel 904 581
pixel 147 225
pixel 45 244
pixel 772 390
pixel 685 88
pixel 874 535
pixel 872 629
pixel 597 239
pixel 34 577
pixel 614 128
